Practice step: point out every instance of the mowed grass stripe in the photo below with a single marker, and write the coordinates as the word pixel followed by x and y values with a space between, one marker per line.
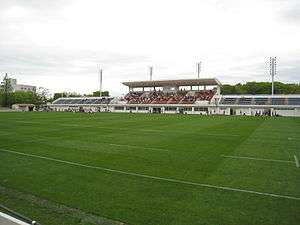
pixel 136 130
pixel 35 139
pixel 155 177
pixel 257 159
pixel 135 146
pixel 159 131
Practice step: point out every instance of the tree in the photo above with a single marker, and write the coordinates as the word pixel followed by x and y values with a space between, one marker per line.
pixel 5 89
pixel 260 88
pixel 228 89
pixel 41 97
pixel 8 97
pixel 65 94
pixel 103 93
pixel 21 97
pixel 57 95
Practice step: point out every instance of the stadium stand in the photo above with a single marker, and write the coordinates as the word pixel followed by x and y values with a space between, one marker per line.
pixel 82 101
pixel 278 101
pixel 228 101
pixel 261 101
pixel 161 97
pixel 294 101
pixel 272 101
pixel 245 101
pixel 188 96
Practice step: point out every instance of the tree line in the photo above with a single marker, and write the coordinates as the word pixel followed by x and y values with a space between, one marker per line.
pixel 260 88
pixel 8 97
pixel 74 94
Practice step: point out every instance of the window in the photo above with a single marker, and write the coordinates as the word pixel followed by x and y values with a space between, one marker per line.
pixel 187 108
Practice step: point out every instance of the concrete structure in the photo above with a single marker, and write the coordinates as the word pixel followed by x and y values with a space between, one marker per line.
pixel 174 85
pixel 23 107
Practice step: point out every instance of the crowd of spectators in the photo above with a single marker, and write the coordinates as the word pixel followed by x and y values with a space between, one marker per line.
pixel 160 97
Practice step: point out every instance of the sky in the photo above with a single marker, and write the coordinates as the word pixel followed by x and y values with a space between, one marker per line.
pixel 62 44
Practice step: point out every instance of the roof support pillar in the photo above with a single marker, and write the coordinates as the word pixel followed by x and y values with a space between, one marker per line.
pixel 218 90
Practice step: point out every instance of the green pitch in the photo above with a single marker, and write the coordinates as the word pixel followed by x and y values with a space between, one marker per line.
pixel 111 168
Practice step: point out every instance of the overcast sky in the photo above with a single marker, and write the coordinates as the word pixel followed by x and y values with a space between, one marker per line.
pixel 61 44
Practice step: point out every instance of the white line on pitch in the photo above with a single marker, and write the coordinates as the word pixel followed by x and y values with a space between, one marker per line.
pixel 12 219
pixel 156 178
pixel 135 146
pixel 258 159
pixel 296 161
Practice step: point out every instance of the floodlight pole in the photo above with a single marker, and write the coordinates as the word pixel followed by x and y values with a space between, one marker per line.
pixel 198 68
pixel 100 77
pixel 272 85
pixel 273 70
pixel 150 72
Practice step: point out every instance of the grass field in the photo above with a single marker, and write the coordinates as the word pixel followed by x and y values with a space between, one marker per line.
pixel 106 168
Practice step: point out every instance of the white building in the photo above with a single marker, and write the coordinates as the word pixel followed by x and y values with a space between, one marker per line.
pixel 21 87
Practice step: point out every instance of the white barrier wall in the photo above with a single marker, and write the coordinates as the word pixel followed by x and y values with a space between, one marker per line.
pixel 287 112
pixel 243 111
pixel 259 111
pixel 193 110
pixel 297 112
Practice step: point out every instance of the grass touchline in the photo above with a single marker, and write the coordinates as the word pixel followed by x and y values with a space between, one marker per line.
pixel 154 177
